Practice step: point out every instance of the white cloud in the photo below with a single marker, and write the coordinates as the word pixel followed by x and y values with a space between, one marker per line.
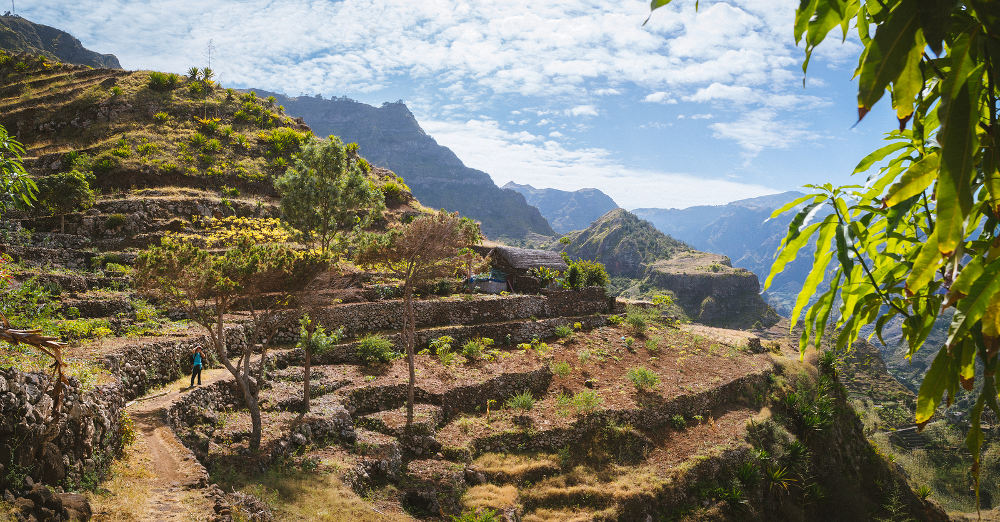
pixel 607 92
pixel 761 129
pixel 582 110
pixel 659 97
pixel 508 156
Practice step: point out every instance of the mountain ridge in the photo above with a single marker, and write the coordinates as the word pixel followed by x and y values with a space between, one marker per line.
pixel 566 210
pixel 390 136
pixel 19 34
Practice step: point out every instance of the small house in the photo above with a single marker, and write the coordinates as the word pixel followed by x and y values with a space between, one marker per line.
pixel 511 267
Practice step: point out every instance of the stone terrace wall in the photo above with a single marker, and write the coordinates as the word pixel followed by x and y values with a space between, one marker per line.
pixel 87 432
pixel 82 441
pixel 375 316
pixel 142 367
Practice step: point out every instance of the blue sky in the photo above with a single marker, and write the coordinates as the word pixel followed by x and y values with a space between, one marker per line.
pixel 697 107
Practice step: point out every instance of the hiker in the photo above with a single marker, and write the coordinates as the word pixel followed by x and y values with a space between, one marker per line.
pixel 196 356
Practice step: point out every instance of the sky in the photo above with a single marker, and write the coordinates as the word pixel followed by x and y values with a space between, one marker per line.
pixel 699 106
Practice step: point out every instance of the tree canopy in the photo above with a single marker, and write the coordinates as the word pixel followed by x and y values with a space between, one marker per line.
pixel 919 238
pixel 326 189
pixel 16 188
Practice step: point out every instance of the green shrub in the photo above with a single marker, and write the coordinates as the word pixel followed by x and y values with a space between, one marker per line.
pixel 162 81
pixel 198 140
pixel 586 401
pixel 106 162
pixel 282 141
pixel 615 319
pixel 561 368
pixel 212 145
pixel 442 349
pixel 196 88
pixel 474 348
pixel 643 378
pixel 122 148
pixel 636 323
pixel 147 149
pixel 230 192
pixel 523 401
pixel 545 275
pixel 574 278
pixel 323 341
pixel 594 273
pixel 484 515
pixel 115 221
pixel 652 345
pixel 564 331
pixel 678 422
pixel 375 348
pixel 161 118
pixel 116 91
pixel 393 191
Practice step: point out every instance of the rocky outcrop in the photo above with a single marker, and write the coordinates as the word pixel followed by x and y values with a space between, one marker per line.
pixel 624 243
pixel 566 211
pixel 711 291
pixel 391 137
pixel 19 34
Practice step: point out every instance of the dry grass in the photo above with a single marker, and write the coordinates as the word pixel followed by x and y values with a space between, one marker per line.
pixel 516 467
pixel 299 495
pixel 124 495
pixel 490 496
pixel 569 515
pixel 585 486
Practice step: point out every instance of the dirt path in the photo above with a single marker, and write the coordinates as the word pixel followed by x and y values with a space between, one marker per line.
pixel 170 482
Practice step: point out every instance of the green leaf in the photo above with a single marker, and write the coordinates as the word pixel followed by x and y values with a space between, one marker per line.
pixel 915 180
pixel 935 381
pixel 973 306
pixel 959 116
pixel 788 252
pixel 927 262
pixel 795 225
pixel 967 363
pixel 879 154
pixel 908 84
pixel 889 53
pixel 843 250
pixel 791 204
pixel 653 6
pixel 818 270
pixel 934 16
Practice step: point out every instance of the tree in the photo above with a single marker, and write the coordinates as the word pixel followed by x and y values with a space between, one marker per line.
pixel 328 188
pixel 920 236
pixel 16 187
pixel 63 193
pixel 206 285
pixel 313 338
pixel 426 249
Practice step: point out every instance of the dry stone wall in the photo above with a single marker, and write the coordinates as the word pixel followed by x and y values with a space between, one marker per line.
pixel 69 451
pixel 357 318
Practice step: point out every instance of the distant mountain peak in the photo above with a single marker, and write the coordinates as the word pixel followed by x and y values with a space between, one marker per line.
pixel 18 34
pixel 390 136
pixel 566 210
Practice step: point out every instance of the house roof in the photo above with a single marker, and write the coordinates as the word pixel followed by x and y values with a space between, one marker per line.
pixel 526 258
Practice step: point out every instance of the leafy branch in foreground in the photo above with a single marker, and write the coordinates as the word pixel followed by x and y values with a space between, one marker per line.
pixel 921 235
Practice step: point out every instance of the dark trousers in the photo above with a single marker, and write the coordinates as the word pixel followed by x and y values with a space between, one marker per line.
pixel 196 372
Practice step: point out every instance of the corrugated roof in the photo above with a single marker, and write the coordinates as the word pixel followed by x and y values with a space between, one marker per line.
pixel 526 258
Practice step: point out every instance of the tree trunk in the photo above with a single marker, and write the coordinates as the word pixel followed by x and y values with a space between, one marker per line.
pixel 408 343
pixel 307 353
pixel 242 379
pixel 62 223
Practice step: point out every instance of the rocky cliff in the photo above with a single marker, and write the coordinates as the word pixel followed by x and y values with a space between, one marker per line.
pixel 624 243
pixel 21 35
pixel 741 231
pixel 391 137
pixel 643 261
pixel 566 211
